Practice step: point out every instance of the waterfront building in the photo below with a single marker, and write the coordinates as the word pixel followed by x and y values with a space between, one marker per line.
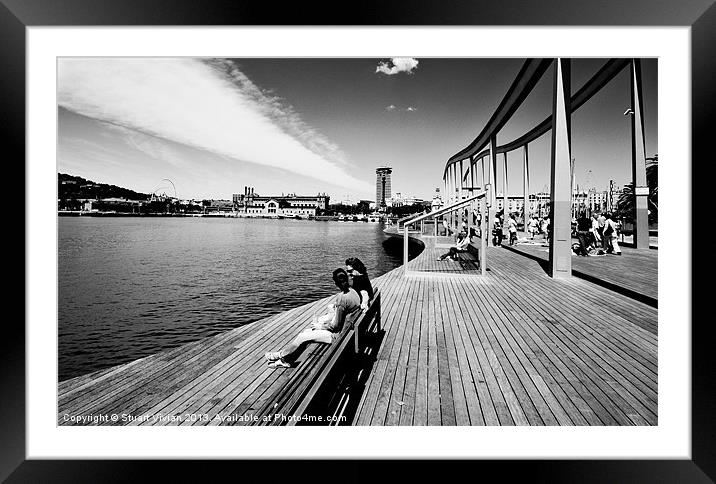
pixel 286 205
pixel 382 185
pixel 399 200
pixel 218 206
pixel 119 205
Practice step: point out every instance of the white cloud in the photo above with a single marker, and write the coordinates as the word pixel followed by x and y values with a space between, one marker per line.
pixel 390 108
pixel 211 106
pixel 411 109
pixel 397 65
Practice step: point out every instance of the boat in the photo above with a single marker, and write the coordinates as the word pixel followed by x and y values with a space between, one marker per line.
pixel 374 218
pixel 342 218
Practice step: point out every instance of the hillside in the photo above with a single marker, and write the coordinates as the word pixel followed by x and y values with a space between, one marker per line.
pixel 75 187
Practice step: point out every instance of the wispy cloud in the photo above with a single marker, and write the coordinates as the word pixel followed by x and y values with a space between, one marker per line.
pixel 397 65
pixel 411 109
pixel 390 108
pixel 208 105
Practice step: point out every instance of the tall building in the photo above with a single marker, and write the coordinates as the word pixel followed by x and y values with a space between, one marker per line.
pixel 382 185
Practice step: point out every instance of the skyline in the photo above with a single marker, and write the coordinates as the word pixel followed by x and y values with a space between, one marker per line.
pixel 320 125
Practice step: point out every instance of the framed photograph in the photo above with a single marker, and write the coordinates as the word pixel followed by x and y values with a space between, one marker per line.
pixel 403 238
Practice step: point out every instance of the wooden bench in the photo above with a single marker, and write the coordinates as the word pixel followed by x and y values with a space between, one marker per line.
pixel 473 250
pixel 318 364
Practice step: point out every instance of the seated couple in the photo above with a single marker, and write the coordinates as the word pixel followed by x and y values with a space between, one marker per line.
pixel 355 295
pixel 461 246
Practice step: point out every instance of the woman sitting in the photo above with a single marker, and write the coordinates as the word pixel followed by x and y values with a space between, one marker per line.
pixel 347 307
pixel 462 242
pixel 358 275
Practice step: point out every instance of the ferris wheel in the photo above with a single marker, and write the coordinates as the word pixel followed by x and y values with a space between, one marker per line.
pixel 160 193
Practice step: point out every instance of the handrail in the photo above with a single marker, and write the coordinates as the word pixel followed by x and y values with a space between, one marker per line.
pixel 595 84
pixel 447 208
pixel 403 219
pixel 530 73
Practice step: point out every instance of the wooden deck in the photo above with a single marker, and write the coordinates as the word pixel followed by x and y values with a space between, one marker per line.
pixel 634 273
pixel 512 348
pixel 427 262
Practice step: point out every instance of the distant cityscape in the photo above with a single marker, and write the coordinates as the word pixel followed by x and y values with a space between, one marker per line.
pixel 78 196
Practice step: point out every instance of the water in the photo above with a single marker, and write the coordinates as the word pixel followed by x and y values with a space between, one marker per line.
pixel 130 287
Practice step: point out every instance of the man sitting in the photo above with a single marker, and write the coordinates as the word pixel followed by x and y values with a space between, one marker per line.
pixel 462 242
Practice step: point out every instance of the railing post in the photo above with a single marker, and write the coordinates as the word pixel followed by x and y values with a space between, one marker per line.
pixel 483 237
pixel 405 248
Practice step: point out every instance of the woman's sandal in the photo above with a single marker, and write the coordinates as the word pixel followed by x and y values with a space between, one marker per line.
pixel 279 364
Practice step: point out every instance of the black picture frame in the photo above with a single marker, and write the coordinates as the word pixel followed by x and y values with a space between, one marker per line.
pixel 700 15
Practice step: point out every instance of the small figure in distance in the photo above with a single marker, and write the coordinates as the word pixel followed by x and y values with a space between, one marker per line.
pixel 461 246
pixel 512 229
pixel 584 225
pixel 610 234
pixel 532 227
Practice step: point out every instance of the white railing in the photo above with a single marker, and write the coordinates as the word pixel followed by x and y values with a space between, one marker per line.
pixel 447 209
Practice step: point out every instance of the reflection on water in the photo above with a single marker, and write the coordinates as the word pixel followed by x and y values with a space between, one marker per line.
pixel 129 287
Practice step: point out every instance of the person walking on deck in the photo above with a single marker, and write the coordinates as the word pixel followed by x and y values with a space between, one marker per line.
pixel 596 234
pixel 610 233
pixel 461 246
pixel 347 308
pixel 602 221
pixel 532 227
pixel 497 230
pixel 544 227
pixel 512 229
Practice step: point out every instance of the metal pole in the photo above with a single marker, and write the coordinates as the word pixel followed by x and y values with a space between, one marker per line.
pixel 525 187
pixel 492 165
pixel 455 215
pixel 505 210
pixel 483 237
pixel 560 242
pixel 638 160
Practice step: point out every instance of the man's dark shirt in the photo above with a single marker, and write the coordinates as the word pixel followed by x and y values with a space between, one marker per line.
pixel 584 224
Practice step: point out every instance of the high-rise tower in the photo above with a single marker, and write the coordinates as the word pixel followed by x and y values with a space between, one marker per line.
pixel 382 185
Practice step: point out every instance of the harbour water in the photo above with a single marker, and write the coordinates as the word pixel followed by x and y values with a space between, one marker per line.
pixel 130 287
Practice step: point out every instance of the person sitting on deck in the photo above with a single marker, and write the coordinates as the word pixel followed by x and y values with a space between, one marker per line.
pixel 462 242
pixel 347 308
pixel 358 275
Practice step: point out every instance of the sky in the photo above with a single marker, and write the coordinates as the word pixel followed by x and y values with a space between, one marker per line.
pixel 308 126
